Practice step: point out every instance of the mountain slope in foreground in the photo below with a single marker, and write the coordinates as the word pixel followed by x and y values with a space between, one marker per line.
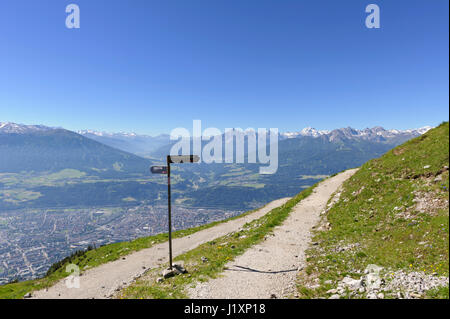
pixel 385 234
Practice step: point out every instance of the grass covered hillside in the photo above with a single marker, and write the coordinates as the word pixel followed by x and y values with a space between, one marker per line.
pixel 385 234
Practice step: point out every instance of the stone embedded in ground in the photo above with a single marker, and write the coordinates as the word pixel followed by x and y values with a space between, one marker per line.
pixel 373 269
pixel 28 295
pixel 335 297
pixel 167 273
pixel 372 295
pixel 159 279
pixel 179 269
pixel 373 281
pixel 351 283
pixel 204 259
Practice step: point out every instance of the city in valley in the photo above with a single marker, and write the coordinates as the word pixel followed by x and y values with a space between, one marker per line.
pixel 32 240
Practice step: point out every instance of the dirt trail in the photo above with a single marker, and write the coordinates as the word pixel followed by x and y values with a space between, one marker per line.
pixel 269 269
pixel 103 281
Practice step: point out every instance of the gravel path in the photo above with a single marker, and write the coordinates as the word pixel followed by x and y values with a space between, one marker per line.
pixel 269 269
pixel 103 281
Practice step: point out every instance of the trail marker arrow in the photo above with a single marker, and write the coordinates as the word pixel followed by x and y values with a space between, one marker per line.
pixel 159 169
pixel 176 159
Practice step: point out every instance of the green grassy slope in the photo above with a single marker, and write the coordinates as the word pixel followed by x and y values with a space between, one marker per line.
pixel 393 213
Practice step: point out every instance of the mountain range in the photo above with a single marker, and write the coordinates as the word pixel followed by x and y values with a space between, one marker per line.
pixel 146 145
pixel 57 167
pixel 376 132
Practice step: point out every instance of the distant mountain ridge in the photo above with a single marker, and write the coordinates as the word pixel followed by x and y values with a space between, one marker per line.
pixel 148 145
pixel 39 148
pixel 142 145
pixel 349 132
pixel 307 131
pixel 374 133
pixel 154 146
pixel 110 168
pixel 13 128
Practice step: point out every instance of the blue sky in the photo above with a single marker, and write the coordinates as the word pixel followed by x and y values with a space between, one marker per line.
pixel 151 66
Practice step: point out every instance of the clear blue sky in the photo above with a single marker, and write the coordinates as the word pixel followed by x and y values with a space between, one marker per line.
pixel 150 66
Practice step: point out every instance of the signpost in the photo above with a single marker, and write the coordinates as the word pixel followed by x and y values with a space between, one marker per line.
pixel 172 159
pixel 159 169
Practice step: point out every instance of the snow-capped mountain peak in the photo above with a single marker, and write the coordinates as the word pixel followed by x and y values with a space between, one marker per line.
pixel 424 129
pixel 108 134
pixel 310 131
pixel 307 131
pixel 14 128
pixel 376 133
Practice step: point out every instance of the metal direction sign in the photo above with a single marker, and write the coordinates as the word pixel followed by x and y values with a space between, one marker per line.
pixel 183 159
pixel 159 169
pixel 176 159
